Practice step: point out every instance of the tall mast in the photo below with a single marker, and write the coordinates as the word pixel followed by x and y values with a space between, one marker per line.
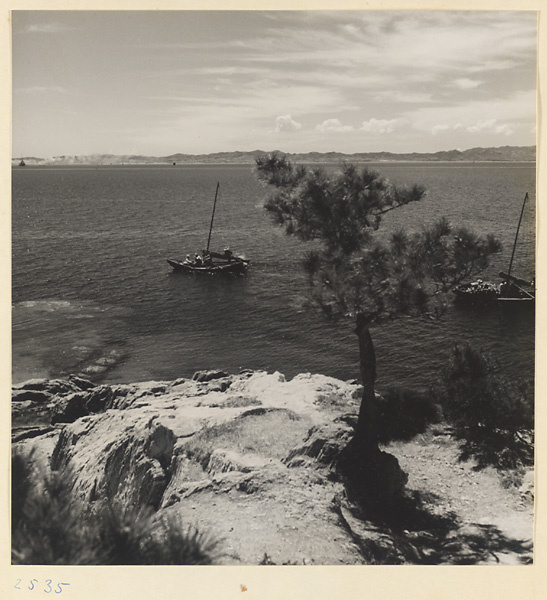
pixel 212 217
pixel 517 236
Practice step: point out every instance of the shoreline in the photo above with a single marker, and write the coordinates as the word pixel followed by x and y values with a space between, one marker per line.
pixel 503 154
pixel 249 163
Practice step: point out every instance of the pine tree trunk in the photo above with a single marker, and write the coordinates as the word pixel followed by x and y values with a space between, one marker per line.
pixel 372 477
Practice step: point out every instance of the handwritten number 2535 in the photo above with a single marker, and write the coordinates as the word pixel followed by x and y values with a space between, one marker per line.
pixel 47 589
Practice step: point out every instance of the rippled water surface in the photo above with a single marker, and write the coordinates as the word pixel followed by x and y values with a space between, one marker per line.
pixel 93 294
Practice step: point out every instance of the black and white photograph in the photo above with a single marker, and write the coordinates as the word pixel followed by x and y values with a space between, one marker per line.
pixel 273 289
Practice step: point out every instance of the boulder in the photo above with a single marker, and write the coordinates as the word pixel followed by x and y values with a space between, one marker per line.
pixel 25 433
pixel 67 410
pixel 80 382
pixel 38 396
pixel 224 461
pixel 323 443
pixel 55 386
pixel 116 461
pixel 203 376
pixel 80 404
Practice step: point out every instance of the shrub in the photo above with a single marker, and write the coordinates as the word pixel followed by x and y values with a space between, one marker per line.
pixel 172 543
pixel 50 526
pixel 491 415
pixel 21 485
pixel 137 537
pixel 403 414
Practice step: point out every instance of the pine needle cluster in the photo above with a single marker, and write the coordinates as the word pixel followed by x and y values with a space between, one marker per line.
pixel 51 526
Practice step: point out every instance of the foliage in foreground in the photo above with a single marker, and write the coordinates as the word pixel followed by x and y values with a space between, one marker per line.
pixel 492 416
pixel 50 526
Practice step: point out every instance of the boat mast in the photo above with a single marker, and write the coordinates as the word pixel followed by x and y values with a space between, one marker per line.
pixel 517 236
pixel 212 217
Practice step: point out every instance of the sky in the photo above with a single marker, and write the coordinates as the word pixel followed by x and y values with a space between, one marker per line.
pixel 197 82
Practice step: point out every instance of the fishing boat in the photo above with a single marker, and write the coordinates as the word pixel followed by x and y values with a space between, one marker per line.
pixel 511 290
pixel 209 262
pixel 477 292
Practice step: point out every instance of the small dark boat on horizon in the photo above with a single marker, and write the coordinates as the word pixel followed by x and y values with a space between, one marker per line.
pixel 512 290
pixel 22 163
pixel 211 263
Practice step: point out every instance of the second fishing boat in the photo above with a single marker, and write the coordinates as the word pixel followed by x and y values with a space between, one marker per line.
pixel 512 290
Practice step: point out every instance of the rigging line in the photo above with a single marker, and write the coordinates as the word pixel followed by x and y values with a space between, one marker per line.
pixel 212 217
pixel 517 235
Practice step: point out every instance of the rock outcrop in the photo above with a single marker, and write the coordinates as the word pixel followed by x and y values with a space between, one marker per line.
pixel 243 457
pixel 247 459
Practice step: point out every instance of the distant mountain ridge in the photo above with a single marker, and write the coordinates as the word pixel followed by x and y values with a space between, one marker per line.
pixel 503 153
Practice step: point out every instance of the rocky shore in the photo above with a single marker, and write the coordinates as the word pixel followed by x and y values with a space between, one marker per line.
pixel 247 459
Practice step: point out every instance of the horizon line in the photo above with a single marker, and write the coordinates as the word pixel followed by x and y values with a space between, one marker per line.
pixel 330 152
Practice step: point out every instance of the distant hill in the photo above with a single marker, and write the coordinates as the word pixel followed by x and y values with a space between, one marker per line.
pixel 503 153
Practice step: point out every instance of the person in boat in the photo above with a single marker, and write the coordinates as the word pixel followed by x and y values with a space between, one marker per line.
pixel 187 260
pixel 228 254
pixel 197 260
pixel 207 260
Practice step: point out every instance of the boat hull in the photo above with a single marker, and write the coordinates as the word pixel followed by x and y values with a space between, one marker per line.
pixel 485 293
pixel 473 293
pixel 234 267
pixel 525 300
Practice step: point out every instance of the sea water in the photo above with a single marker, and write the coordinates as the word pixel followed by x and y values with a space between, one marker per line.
pixel 93 294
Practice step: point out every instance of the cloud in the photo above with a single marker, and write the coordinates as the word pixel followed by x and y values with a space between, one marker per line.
pixel 440 129
pixel 487 126
pixel 232 83
pixel 379 125
pixel 402 42
pixel 404 97
pixel 420 54
pixel 42 89
pixel 333 125
pixel 492 126
pixel 285 123
pixel 504 129
pixel 517 109
pixel 45 28
pixel 466 84
pixel 229 70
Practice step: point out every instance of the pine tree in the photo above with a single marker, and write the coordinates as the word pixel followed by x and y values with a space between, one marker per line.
pixel 361 273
